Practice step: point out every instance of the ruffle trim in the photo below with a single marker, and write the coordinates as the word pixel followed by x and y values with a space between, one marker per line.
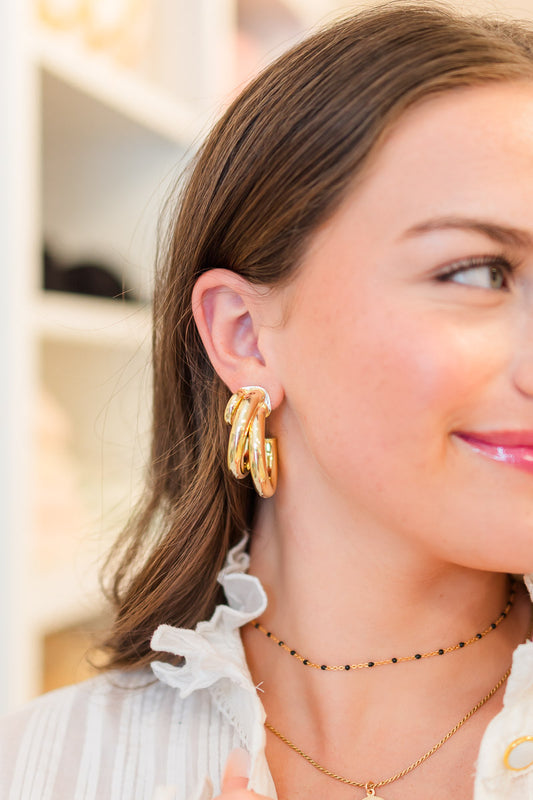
pixel 214 649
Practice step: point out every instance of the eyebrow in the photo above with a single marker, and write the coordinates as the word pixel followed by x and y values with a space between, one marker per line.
pixel 498 233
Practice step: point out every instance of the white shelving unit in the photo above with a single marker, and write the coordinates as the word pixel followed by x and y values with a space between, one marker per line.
pixel 90 150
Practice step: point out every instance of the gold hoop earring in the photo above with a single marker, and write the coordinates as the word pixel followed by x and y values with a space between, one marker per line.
pixel 248 449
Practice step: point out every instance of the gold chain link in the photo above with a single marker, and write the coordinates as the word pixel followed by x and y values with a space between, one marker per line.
pixel 376 784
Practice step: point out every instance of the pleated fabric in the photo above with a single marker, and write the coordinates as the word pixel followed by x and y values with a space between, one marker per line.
pixel 115 737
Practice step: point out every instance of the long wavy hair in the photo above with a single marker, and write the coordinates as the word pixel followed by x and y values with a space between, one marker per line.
pixel 275 167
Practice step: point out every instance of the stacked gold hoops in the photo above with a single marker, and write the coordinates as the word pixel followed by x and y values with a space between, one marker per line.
pixel 248 448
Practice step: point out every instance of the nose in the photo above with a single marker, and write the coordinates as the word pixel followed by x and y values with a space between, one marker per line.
pixel 523 356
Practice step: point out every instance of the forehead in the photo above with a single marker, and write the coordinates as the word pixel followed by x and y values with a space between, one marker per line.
pixel 450 147
pixel 466 152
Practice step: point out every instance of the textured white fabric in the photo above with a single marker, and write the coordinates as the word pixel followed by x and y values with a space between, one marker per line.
pixel 166 734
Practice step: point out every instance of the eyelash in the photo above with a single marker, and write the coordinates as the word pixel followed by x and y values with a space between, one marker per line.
pixel 508 266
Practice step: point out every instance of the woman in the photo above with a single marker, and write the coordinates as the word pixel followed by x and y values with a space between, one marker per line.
pixel 355 246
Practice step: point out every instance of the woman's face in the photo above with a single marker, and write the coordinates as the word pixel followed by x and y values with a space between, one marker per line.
pixel 407 354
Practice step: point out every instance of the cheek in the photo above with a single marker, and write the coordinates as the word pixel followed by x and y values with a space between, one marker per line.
pixel 414 370
pixel 425 377
pixel 395 381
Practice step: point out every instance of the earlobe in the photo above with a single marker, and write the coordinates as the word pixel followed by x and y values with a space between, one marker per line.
pixel 226 309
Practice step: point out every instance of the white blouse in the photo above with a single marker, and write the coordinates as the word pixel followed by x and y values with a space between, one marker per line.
pixel 165 734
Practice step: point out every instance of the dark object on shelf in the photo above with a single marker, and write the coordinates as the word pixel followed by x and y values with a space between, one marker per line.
pixel 83 277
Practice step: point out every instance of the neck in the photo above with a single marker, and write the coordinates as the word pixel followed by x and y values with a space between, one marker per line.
pixel 341 590
pixel 343 593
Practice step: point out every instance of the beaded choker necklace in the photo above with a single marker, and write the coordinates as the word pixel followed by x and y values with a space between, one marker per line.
pixel 307 662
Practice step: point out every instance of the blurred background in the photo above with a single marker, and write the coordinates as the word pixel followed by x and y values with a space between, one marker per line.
pixel 102 103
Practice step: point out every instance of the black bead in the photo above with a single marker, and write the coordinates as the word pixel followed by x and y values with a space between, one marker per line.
pixel 370 663
pixel 418 656
pixel 441 652
pixel 280 643
pixel 293 652
pixel 323 666
pixel 347 666
pixel 394 660
pixel 504 613
pixel 493 625
pixel 479 636
pixel 461 644
pixel 256 625
pixel 306 662
pixel 269 634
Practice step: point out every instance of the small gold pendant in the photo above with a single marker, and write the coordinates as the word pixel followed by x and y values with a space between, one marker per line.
pixel 371 791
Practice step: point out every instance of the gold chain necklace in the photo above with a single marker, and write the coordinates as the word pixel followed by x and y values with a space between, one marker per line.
pixel 371 786
pixel 394 660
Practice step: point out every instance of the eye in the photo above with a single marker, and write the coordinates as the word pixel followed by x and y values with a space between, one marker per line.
pixel 480 273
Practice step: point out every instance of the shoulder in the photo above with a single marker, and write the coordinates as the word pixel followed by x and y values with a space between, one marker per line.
pixel 110 737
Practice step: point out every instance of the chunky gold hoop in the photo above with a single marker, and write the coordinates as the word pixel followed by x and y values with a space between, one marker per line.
pixel 248 449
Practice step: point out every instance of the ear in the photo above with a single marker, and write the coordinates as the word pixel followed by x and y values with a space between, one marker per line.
pixel 229 314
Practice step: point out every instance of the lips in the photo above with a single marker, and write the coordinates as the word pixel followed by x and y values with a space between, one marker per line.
pixel 507 447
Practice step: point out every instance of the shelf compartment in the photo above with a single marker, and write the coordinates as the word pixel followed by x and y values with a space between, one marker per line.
pixel 91 320
pixel 137 99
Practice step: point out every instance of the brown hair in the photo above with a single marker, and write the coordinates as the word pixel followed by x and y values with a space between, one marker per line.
pixel 276 166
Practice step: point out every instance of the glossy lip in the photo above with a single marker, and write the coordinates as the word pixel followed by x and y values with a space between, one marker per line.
pixel 507 447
